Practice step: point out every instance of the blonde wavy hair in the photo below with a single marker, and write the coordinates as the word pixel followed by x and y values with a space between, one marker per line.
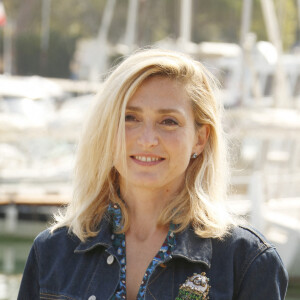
pixel 201 201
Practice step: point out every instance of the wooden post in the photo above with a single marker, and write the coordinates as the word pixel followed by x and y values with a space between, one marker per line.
pixel 256 193
pixel 11 218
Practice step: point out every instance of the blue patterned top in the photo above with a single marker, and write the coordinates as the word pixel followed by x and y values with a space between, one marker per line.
pixel 119 244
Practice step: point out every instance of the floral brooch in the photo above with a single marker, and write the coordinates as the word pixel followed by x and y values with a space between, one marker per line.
pixel 195 287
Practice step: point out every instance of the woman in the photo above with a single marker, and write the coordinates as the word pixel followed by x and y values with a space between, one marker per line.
pixel 147 220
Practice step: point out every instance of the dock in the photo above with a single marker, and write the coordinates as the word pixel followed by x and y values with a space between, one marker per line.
pixel 34 199
pixel 35 206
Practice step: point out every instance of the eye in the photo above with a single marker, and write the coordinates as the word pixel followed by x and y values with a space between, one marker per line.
pixel 130 118
pixel 169 122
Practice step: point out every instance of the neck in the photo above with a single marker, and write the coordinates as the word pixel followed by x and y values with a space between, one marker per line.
pixel 144 208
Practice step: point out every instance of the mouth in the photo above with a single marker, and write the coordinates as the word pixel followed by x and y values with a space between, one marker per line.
pixel 147 160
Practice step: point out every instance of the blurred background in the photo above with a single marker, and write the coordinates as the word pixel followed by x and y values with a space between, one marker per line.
pixel 53 57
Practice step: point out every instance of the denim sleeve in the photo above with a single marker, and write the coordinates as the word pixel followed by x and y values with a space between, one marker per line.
pixel 265 278
pixel 29 288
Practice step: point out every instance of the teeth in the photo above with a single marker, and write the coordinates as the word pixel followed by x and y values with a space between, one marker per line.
pixel 146 159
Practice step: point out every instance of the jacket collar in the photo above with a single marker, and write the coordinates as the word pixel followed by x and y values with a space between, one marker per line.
pixel 192 247
pixel 188 245
pixel 103 238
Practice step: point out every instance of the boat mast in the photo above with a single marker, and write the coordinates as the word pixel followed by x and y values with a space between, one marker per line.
pixel 185 22
pixel 243 91
pixel 131 25
pixel 281 98
pixel 45 33
pixel 100 65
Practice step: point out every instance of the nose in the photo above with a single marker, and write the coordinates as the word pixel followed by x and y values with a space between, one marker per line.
pixel 148 137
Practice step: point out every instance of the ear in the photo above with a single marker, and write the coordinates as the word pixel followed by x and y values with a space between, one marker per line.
pixel 202 135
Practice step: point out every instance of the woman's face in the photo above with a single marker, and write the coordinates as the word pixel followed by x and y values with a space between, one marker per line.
pixel 160 136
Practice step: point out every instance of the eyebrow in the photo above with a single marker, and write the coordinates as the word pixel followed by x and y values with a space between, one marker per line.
pixel 161 111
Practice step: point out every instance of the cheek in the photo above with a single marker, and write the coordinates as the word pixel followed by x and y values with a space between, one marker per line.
pixel 130 137
pixel 180 145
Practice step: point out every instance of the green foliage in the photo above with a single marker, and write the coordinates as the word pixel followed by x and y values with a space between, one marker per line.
pixel 53 63
pixel 60 54
pixel 213 20
pixel 157 20
pixel 27 53
pixel 217 21
pixel 288 23
pixel 258 24
pixel 286 11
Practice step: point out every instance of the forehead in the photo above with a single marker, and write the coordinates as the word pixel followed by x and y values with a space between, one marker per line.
pixel 160 92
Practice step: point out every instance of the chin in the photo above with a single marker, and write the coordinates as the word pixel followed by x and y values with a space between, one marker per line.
pixel 147 183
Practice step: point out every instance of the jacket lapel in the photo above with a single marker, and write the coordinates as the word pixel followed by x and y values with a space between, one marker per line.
pixel 103 238
pixel 193 248
pixel 192 255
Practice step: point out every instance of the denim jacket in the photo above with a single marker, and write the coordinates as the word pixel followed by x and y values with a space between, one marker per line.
pixel 242 266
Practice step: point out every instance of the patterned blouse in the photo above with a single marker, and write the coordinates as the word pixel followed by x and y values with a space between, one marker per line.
pixel 119 244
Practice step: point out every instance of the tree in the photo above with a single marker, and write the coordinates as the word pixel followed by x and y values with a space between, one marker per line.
pixel 215 20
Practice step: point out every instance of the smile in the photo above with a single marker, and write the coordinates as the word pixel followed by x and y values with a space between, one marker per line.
pixel 147 158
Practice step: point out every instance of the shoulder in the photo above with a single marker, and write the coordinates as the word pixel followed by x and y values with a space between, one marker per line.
pixel 247 237
pixel 249 254
pixel 249 233
pixel 246 248
pixel 242 242
pixel 60 239
pixel 47 235
pixel 242 247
